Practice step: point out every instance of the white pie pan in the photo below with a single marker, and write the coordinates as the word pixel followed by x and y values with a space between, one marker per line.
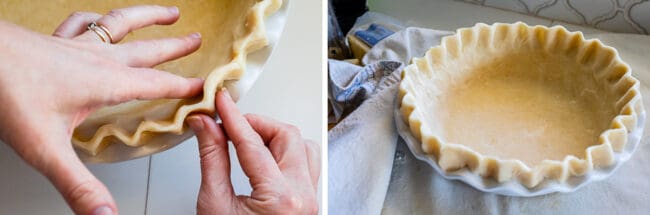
pixel 513 187
pixel 254 66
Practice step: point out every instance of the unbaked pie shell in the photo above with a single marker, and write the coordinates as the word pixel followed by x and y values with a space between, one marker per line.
pixel 423 89
pixel 231 29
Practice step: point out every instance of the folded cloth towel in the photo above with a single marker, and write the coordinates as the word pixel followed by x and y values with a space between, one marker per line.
pixel 349 84
pixel 358 83
pixel 404 45
pixel 360 152
pixel 362 146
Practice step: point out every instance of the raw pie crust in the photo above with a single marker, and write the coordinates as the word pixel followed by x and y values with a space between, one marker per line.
pixel 515 102
pixel 230 30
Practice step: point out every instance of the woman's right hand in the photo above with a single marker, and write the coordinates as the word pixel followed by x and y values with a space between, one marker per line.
pixel 283 168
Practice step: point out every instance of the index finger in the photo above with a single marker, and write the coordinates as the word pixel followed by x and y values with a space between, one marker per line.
pixel 255 158
pixel 127 84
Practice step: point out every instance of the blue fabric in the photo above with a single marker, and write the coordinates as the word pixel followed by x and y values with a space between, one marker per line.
pixel 350 85
pixel 365 81
pixel 373 34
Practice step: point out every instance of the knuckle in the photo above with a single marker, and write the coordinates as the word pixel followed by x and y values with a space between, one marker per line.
pixel 298 204
pixel 77 14
pixel 115 97
pixel 81 191
pixel 292 202
pixel 125 92
pixel 291 130
pixel 145 53
pixel 251 116
pixel 155 45
pixel 208 152
pixel 187 45
pixel 136 45
pixel 153 7
pixel 180 86
pixel 116 14
pixel 246 140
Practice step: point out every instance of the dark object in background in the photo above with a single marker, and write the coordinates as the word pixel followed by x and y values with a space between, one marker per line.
pixel 347 12
pixel 342 14
pixel 336 46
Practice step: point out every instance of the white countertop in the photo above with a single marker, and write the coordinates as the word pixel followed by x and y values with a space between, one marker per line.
pixel 289 90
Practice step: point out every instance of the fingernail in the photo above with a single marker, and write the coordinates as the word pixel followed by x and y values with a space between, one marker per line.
pixel 195 35
pixel 103 210
pixel 195 123
pixel 173 9
pixel 226 93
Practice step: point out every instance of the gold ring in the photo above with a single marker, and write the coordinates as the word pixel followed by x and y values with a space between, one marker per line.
pixel 101 31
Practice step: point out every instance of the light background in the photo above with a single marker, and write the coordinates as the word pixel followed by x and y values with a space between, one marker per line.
pixel 626 16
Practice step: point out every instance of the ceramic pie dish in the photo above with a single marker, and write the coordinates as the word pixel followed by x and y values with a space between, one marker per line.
pixel 522 104
pixel 230 29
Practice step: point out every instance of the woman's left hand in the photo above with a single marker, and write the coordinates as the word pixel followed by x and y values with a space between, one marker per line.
pixel 50 84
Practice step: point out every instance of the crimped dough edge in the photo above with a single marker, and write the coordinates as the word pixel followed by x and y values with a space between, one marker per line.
pixel 254 40
pixel 451 156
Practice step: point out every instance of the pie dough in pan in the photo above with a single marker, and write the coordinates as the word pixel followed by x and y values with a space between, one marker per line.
pixel 522 104
pixel 230 30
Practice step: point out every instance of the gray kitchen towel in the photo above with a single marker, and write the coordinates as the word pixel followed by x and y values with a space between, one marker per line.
pixel 349 85
pixel 362 146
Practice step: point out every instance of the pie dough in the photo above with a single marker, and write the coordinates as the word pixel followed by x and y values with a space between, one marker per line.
pixel 230 29
pixel 518 102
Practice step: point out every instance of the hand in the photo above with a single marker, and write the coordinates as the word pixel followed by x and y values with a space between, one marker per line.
pixel 283 168
pixel 49 85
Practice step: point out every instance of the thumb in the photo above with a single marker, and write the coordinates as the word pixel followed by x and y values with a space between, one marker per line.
pixel 216 188
pixel 80 189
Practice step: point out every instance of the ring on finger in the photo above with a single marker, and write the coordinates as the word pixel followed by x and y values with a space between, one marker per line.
pixel 101 31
